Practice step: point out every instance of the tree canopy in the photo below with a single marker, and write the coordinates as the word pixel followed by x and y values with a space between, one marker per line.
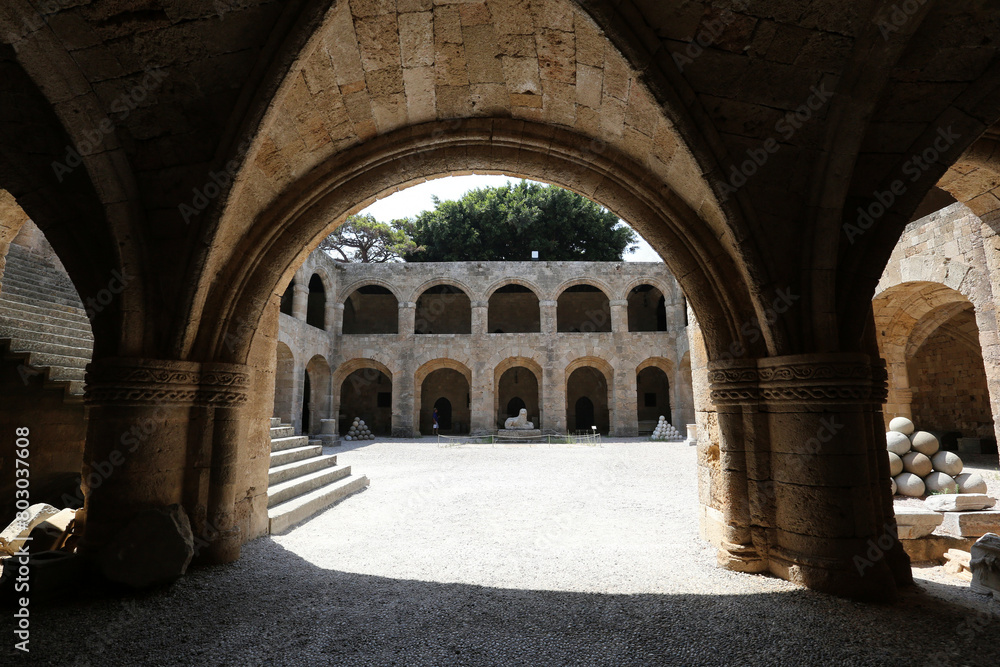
pixel 362 238
pixel 507 223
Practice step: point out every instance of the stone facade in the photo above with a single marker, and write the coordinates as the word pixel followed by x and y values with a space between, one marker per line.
pixel 557 328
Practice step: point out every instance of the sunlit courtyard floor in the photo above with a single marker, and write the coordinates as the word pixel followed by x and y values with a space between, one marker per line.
pixel 511 555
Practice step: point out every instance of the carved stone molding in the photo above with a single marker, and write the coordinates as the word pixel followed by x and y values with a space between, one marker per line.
pixel 133 381
pixel 807 378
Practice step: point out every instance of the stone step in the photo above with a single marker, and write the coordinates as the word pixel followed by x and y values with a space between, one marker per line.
pixel 279 474
pixel 23 344
pixel 275 422
pixel 281 432
pixel 43 359
pixel 283 443
pixel 60 335
pixel 300 486
pixel 286 456
pixel 43 301
pixel 284 516
pixel 18 309
pixel 40 290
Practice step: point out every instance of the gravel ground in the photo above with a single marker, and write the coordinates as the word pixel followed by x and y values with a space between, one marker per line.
pixel 514 555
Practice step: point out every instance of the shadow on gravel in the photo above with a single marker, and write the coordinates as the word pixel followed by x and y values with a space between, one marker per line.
pixel 273 608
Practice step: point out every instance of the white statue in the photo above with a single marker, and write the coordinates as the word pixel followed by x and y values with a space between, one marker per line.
pixel 520 422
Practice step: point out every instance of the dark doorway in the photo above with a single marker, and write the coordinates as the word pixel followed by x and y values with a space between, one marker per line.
pixel 584 414
pixel 316 305
pixel 443 406
pixel 515 405
pixel 287 297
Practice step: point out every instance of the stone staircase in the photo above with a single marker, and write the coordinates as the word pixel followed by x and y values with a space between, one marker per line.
pixel 302 480
pixel 43 323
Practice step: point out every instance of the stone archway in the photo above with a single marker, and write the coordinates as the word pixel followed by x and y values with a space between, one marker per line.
pixel 284 384
pixel 518 387
pixel 588 385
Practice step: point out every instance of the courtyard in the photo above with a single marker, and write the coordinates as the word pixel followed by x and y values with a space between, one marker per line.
pixel 510 555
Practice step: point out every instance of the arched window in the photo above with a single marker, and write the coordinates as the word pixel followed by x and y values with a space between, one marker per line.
pixel 514 309
pixel 371 309
pixel 287 297
pixel 647 309
pixel 443 309
pixel 583 308
pixel 316 309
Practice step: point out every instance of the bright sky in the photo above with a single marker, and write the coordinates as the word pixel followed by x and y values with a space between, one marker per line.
pixel 410 202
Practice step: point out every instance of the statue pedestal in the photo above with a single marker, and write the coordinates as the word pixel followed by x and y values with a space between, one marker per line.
pixel 520 432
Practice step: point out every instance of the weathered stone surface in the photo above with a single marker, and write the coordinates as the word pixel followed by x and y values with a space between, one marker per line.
pixel 15 534
pixel 947 462
pixel 908 484
pixel 933 547
pixel 917 463
pixel 913 522
pixel 985 565
pixel 971 524
pixel 925 443
pixel 901 425
pixel 897 443
pixel 971 482
pixel 154 548
pixel 939 482
pixel 955 502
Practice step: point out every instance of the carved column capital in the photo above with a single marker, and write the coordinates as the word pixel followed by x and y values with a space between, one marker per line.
pixel 136 381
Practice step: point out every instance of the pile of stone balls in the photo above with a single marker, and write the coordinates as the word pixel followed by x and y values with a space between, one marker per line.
pixel 359 431
pixel 665 432
pixel 919 466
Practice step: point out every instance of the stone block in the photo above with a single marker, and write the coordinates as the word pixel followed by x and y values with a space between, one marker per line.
pixel 958 502
pixel 971 524
pixel 985 565
pixel 913 522
pixel 154 548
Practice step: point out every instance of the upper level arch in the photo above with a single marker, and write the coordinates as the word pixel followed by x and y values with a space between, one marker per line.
pixel 647 308
pixel 371 308
pixel 583 307
pixel 442 307
pixel 513 308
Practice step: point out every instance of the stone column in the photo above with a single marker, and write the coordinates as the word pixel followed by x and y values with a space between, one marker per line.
pixel 337 319
pixel 619 315
pixel 480 317
pixel 547 313
pixel 625 417
pixel 483 417
pixel 407 317
pixel 554 397
pixel 163 432
pixel 300 299
pixel 403 406
pixel 806 478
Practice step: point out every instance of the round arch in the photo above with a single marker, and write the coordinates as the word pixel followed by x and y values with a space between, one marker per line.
pixel 438 282
pixel 591 282
pixel 538 292
pixel 331 191
pixel 422 373
pixel 533 367
pixel 346 292
pixel 665 290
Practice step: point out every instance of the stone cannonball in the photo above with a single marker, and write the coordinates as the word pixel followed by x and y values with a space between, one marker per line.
pixel 947 462
pixel 917 463
pixel 895 464
pixel 925 443
pixel 940 483
pixel 970 482
pixel 897 443
pixel 893 483
pixel 901 425
pixel 909 484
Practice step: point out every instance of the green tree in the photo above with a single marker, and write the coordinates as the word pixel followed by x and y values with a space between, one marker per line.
pixel 362 238
pixel 507 223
